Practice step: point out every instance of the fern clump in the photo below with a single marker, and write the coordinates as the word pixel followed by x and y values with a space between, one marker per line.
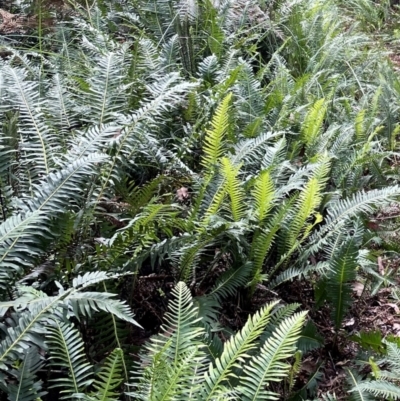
pixel 176 364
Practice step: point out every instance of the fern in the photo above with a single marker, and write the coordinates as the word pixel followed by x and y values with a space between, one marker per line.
pixel 175 365
pixel 264 195
pixel 342 272
pixel 28 388
pixel 237 348
pixel 313 122
pixel 214 139
pixel 68 352
pixel 233 188
pixel 267 366
pixel 107 380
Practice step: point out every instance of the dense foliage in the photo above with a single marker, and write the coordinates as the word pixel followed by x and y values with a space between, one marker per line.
pixel 195 154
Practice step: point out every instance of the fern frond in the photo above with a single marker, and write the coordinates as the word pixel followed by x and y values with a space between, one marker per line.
pixel 236 349
pixel 308 201
pixel 108 379
pixel 181 319
pixel 263 194
pixel 19 226
pixel 233 188
pixel 379 388
pixel 213 147
pixel 229 281
pixel 28 388
pixel 39 144
pixel 67 350
pixel 174 361
pixel 356 394
pixel 313 122
pixel 341 211
pixel 342 271
pixel 263 241
pixel 268 365
pixel 84 303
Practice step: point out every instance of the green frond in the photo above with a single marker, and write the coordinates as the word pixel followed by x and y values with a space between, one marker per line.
pixel 175 355
pixel 379 388
pixel 190 256
pixel 308 201
pixel 233 188
pixel 263 240
pixel 19 338
pixel 230 281
pixel 359 125
pixel 251 151
pixel 218 194
pixel 19 226
pixel 108 379
pixel 106 88
pixel 48 200
pixel 288 274
pixel 141 196
pixel 342 272
pixel 67 351
pixel 310 339
pixel 213 147
pixel 39 307
pixel 182 320
pixel 313 122
pixel 39 143
pixel 263 193
pixel 28 387
pixel 84 303
pixel 268 365
pixel 353 379
pixel 236 349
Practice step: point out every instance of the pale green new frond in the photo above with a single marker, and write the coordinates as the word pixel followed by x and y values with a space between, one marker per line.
pixel 309 200
pixel 214 140
pixel 269 364
pixel 67 350
pixel 233 188
pixel 263 193
pixel 359 125
pixel 313 122
pixel 236 350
